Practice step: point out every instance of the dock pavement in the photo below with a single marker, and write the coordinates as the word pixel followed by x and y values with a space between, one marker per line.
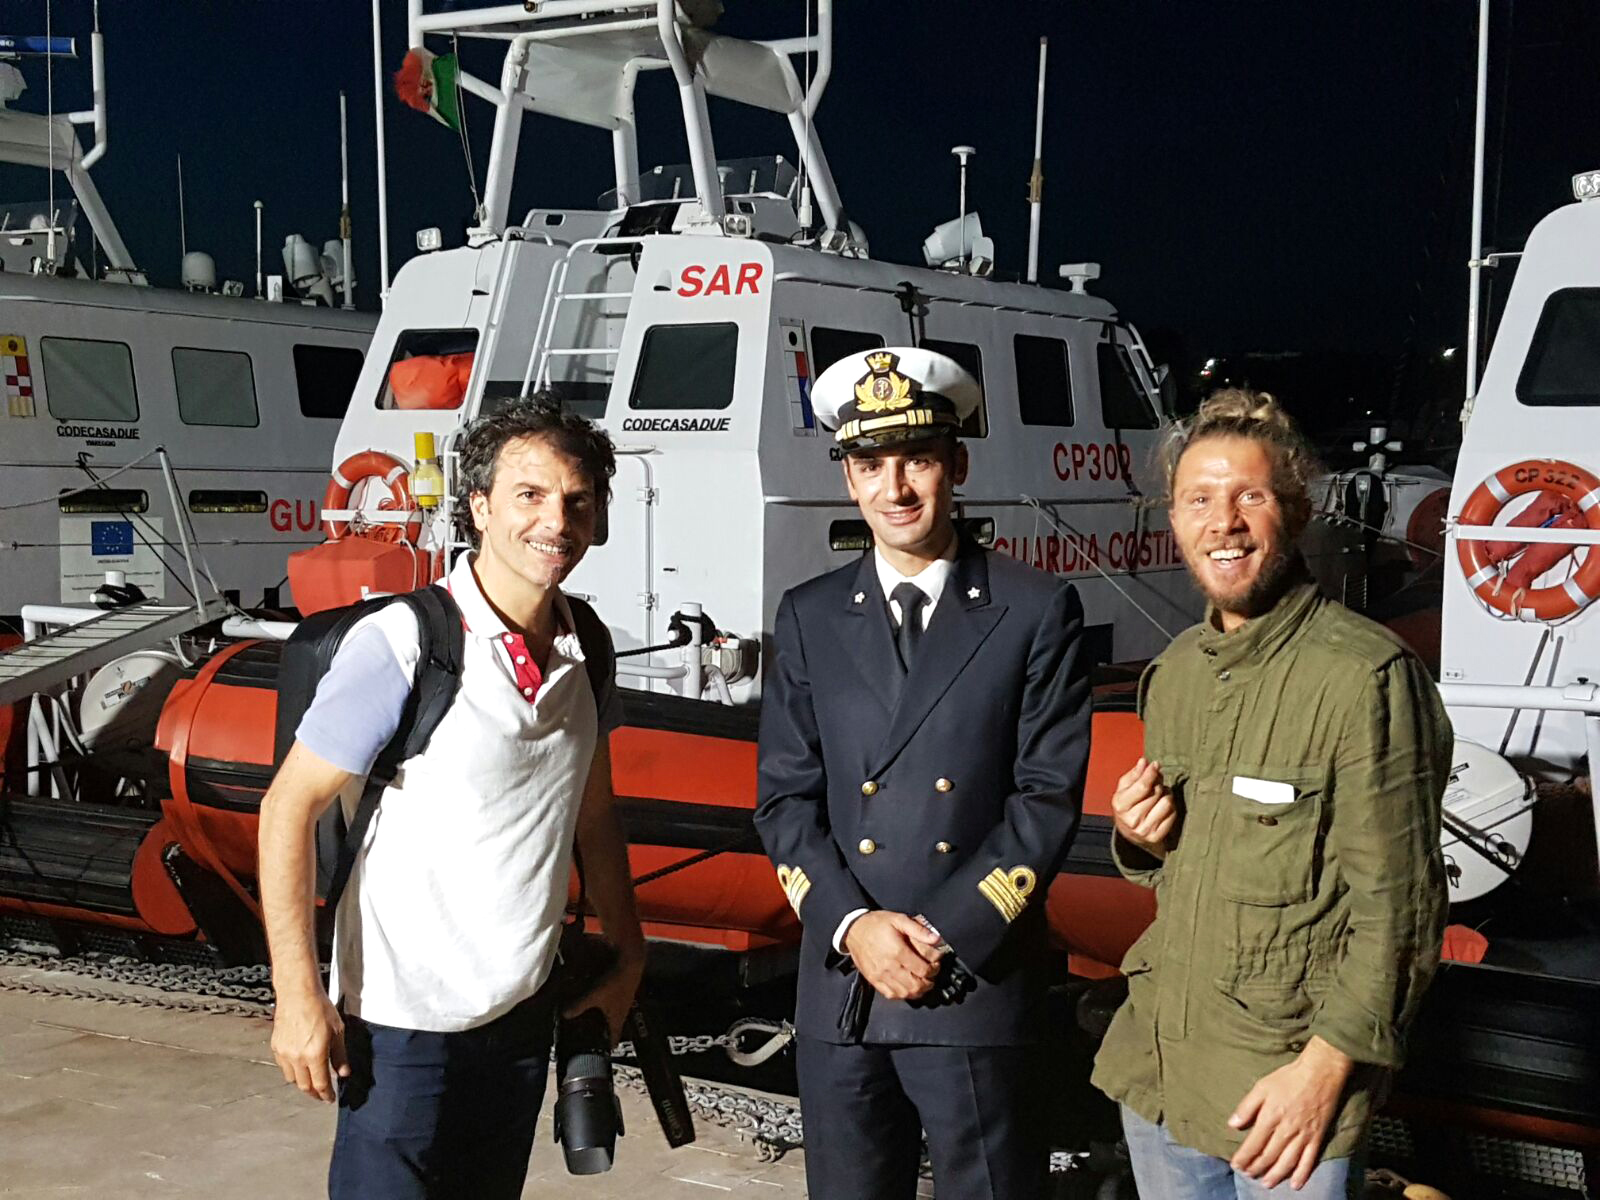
pixel 114 1100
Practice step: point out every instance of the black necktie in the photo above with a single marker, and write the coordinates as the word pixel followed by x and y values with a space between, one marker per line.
pixel 910 598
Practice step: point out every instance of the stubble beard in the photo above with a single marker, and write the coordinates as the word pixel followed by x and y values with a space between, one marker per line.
pixel 1277 574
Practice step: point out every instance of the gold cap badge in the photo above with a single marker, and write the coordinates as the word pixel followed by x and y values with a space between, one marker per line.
pixel 882 388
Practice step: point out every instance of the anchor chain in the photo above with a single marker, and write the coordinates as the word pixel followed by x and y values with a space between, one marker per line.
pixel 224 991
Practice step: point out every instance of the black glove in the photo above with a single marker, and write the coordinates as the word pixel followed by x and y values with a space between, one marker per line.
pixel 950 986
pixel 857 1004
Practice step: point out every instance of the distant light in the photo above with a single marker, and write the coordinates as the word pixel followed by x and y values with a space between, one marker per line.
pixel 429 239
pixel 1586 186
pixel 1449 353
pixel 1210 363
pixel 1205 373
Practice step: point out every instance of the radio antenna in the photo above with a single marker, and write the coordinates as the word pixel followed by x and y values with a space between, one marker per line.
pixel 963 153
pixel 183 220
pixel 1036 180
pixel 344 203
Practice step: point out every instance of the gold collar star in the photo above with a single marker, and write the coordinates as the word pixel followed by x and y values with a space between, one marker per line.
pixel 973 593
pixel 858 597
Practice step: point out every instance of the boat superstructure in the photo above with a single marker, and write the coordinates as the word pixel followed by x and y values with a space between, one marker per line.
pixel 690 318
pixel 100 369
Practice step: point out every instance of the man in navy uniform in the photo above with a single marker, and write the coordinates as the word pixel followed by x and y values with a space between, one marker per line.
pixel 924 735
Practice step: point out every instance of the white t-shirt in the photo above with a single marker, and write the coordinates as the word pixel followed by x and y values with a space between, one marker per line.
pixel 454 905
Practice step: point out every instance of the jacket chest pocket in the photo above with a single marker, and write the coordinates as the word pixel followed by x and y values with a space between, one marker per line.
pixel 1269 836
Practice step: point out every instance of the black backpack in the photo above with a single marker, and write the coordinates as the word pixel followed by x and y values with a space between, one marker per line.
pixel 306 658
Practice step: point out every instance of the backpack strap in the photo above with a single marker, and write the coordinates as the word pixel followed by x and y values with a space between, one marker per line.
pixel 599 655
pixel 442 646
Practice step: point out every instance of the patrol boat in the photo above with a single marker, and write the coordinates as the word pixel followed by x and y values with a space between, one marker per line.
pixel 689 315
pixel 102 371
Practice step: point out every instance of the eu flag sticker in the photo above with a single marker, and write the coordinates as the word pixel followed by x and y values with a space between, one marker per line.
pixel 111 539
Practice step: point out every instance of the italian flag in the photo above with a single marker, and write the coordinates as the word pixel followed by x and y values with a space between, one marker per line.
pixel 427 82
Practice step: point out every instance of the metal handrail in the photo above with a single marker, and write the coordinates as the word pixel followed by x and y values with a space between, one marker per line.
pixel 1516 533
pixel 536 375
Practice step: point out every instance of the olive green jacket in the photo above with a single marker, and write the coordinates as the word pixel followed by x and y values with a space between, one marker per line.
pixel 1303 892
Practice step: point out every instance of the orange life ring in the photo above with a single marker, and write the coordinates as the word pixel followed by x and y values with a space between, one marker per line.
pixel 393 474
pixel 1484 505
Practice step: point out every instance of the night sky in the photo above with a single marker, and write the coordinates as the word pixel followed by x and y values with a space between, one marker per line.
pixel 1252 176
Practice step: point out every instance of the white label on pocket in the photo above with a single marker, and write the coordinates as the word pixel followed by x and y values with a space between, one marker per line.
pixel 1263 791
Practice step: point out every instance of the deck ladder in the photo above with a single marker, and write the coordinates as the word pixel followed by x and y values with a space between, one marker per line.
pixel 537 374
pixel 48 662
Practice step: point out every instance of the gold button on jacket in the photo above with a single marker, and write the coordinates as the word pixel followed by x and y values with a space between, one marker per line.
pixel 869 788
pixel 867 846
pixel 942 785
pixel 943 847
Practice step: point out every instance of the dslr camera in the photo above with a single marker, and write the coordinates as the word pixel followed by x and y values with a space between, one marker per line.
pixel 588 1117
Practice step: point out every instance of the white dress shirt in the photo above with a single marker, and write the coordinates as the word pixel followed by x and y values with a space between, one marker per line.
pixel 931 579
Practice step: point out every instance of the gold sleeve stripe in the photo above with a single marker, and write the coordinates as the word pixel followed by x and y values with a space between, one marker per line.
pixel 795 885
pixel 1008 890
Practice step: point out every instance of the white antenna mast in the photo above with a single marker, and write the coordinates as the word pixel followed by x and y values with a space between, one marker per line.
pixel 803 208
pixel 344 199
pixel 258 249
pixel 183 220
pixel 1036 180
pixel 963 153
pixel 1475 264
pixel 50 126
pixel 383 169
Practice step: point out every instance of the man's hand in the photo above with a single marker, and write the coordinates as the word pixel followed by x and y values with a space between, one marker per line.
pixel 1287 1113
pixel 896 954
pixel 614 994
pixel 308 1039
pixel 1142 808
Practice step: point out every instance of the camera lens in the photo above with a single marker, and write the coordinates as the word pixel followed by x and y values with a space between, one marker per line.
pixel 587 1116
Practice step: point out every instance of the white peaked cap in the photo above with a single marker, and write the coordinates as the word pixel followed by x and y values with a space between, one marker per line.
pixel 893 394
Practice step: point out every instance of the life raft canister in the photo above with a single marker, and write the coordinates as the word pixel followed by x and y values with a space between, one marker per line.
pixel 1480 562
pixel 393 474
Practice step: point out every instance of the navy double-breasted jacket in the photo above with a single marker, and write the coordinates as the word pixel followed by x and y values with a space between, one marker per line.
pixel 952 792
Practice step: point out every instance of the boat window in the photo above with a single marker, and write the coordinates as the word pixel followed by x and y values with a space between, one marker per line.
pixel 686 366
pixel 1044 385
pixel 828 346
pixel 853 533
pixel 1123 403
pixel 227 500
pixel 105 500
pixel 326 377
pixel 215 387
pixel 970 359
pixel 1563 367
pixel 429 369
pixel 89 380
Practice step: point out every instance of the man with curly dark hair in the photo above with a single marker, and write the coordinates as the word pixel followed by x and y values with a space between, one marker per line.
pixel 434 1032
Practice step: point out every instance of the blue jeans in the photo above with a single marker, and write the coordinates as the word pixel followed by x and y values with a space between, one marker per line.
pixel 436 1116
pixel 1164 1170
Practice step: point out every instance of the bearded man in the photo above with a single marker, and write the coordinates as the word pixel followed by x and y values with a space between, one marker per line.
pixel 1287 813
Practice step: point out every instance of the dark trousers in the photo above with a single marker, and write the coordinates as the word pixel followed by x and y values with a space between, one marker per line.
pixel 436 1116
pixel 866 1108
